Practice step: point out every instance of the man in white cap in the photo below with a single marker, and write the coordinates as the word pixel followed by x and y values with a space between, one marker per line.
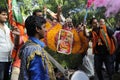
pixel 79 75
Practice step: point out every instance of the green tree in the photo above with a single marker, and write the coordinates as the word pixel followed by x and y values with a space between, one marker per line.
pixel 3 3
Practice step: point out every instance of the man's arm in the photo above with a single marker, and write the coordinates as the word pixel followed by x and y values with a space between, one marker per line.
pixel 111 35
pixel 110 31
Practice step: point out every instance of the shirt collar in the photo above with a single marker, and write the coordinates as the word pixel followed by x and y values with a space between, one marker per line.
pixel 35 40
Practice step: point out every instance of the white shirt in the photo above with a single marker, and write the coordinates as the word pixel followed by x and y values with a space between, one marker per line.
pixel 6 44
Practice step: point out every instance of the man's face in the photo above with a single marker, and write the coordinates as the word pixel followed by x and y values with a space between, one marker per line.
pixel 94 23
pixel 102 22
pixel 39 14
pixel 3 17
pixel 42 31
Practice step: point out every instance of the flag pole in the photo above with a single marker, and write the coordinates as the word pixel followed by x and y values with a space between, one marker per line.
pixel 7 7
pixel 6 4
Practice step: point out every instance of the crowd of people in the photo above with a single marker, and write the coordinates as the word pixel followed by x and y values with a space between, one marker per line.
pixel 32 60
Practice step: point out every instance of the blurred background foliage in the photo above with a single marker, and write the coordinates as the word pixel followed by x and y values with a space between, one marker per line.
pixel 76 9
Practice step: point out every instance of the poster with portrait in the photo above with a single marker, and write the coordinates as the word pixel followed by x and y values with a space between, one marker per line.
pixel 65 40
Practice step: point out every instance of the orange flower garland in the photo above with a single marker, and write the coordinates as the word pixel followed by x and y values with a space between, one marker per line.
pixel 84 41
pixel 76 42
pixel 48 25
pixel 78 39
pixel 51 34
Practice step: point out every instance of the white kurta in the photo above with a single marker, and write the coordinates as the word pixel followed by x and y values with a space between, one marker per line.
pixel 6 44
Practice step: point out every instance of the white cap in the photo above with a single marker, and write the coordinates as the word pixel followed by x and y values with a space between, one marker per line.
pixel 79 75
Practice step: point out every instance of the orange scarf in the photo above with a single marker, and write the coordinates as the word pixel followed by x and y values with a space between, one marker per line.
pixel 106 39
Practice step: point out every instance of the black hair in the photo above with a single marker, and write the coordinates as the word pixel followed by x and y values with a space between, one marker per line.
pixel 2 9
pixel 32 22
pixel 36 10
pixel 92 20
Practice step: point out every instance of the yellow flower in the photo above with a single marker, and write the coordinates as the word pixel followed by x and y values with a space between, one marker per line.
pixel 51 35
pixel 48 25
pixel 76 42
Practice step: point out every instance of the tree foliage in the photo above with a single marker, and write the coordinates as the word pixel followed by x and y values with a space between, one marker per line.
pixel 69 9
pixel 3 3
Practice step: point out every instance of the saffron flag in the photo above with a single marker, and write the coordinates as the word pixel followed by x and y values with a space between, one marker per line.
pixel 16 20
pixel 15 17
pixel 16 12
pixel 89 4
